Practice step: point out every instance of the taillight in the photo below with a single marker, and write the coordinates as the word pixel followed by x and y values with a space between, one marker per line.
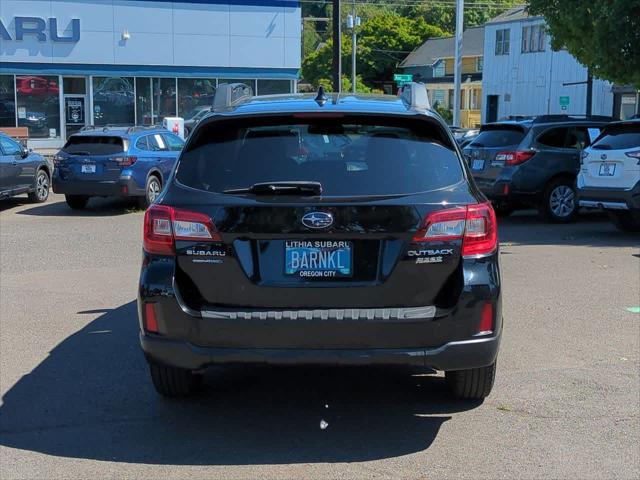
pixel 164 225
pixel 633 154
pixel 514 158
pixel 126 161
pixel 57 159
pixel 476 225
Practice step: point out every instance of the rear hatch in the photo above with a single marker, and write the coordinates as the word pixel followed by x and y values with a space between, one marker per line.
pixel 613 161
pixel 92 158
pixel 301 224
pixel 492 150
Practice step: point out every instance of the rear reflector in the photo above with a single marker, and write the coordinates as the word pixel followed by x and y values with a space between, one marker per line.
pixel 164 225
pixel 475 225
pixel 150 322
pixel 486 320
pixel 514 158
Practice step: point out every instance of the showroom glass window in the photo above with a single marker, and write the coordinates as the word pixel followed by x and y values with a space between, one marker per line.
pixel 113 101
pixel 38 106
pixel 143 101
pixel 273 87
pixel 7 101
pixel 164 98
pixel 194 92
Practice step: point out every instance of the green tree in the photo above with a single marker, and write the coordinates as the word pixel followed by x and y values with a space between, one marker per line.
pixel 384 40
pixel 603 35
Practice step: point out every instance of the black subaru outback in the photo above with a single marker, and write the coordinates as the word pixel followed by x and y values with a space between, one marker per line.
pixel 302 229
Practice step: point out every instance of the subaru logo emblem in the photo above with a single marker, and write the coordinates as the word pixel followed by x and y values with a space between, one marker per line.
pixel 317 220
pixel 603 156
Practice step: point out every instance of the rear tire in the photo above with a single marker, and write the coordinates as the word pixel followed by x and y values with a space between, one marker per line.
pixel 42 188
pixel 559 201
pixel 151 191
pixel 76 202
pixel 473 384
pixel 172 381
pixel 625 221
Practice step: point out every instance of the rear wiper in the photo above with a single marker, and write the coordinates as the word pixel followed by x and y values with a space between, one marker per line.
pixel 280 188
pixel 79 153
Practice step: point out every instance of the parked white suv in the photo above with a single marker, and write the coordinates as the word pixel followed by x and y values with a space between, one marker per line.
pixel 609 175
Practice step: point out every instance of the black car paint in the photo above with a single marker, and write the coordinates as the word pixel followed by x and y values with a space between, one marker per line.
pixel 244 275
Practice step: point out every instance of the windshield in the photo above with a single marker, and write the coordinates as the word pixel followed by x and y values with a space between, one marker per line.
pixel 93 145
pixel 498 138
pixel 347 159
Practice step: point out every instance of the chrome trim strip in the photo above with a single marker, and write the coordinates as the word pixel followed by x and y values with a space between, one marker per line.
pixel 369 314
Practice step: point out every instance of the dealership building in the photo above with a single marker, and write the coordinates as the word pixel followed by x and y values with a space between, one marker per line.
pixel 65 64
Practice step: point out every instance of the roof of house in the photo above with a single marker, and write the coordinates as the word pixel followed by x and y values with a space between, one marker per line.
pixel 435 49
pixel 512 15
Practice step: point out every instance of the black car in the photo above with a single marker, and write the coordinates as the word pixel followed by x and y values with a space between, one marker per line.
pixel 260 252
pixel 532 162
pixel 23 171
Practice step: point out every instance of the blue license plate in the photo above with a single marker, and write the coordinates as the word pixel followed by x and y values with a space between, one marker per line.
pixel 318 258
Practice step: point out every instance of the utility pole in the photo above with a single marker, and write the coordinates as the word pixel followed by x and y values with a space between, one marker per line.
pixel 354 41
pixel 337 47
pixel 589 92
pixel 457 73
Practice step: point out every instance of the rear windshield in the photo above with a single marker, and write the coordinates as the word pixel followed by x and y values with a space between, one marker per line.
pixel 620 137
pixel 498 138
pixel 93 145
pixel 348 159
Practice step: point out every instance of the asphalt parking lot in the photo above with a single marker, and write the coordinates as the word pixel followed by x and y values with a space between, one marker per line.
pixel 77 401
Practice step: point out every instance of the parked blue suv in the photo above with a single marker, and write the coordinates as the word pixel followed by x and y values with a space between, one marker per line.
pixel 115 162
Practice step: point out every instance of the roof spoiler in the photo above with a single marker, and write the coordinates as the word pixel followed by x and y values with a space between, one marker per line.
pixel 564 118
pixel 414 94
pixel 230 95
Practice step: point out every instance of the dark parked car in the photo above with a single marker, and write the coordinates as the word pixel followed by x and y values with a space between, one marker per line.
pixel 193 117
pixel 258 252
pixel 22 171
pixel 115 162
pixel 532 162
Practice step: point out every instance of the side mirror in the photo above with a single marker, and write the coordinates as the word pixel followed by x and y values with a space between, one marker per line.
pixel 25 152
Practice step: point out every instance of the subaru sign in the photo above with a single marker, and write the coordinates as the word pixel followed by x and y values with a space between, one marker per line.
pixel 41 29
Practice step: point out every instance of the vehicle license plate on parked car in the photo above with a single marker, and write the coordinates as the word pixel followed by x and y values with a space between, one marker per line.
pixel 88 169
pixel 318 258
pixel 607 169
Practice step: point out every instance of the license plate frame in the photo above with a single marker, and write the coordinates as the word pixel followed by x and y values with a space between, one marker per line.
pixel 477 164
pixel 319 259
pixel 607 169
pixel 88 168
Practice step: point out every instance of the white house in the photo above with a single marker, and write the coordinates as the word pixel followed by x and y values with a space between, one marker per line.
pixel 523 76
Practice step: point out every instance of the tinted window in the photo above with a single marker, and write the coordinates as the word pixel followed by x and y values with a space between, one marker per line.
pixel 346 158
pixel 173 142
pixel 9 147
pixel 554 137
pixel 620 137
pixel 141 144
pixel 156 142
pixel 498 138
pixel 93 145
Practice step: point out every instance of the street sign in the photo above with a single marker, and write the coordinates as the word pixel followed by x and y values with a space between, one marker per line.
pixel 564 101
pixel 402 78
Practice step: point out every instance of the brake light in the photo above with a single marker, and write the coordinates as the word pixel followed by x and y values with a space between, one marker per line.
pixel 633 154
pixel 58 159
pixel 164 225
pixel 475 225
pixel 514 158
pixel 126 161
pixel 150 322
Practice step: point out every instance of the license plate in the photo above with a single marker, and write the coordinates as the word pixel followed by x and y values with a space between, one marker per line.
pixel 88 169
pixel 607 169
pixel 318 258
pixel 478 164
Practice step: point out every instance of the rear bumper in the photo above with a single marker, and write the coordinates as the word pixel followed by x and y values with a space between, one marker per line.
pixel 125 186
pixel 459 355
pixel 610 198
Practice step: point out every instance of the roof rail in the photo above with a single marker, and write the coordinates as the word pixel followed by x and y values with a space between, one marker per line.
pixel 88 127
pixel 415 95
pixel 141 128
pixel 230 95
pixel 565 118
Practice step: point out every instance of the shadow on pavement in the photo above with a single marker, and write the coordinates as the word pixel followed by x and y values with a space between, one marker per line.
pixel 591 229
pixel 92 398
pixel 97 207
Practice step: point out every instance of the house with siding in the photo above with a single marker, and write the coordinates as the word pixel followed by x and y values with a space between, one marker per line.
pixel 433 64
pixel 523 76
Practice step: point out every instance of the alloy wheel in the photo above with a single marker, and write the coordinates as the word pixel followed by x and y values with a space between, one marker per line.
pixel 42 186
pixel 154 190
pixel 562 201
